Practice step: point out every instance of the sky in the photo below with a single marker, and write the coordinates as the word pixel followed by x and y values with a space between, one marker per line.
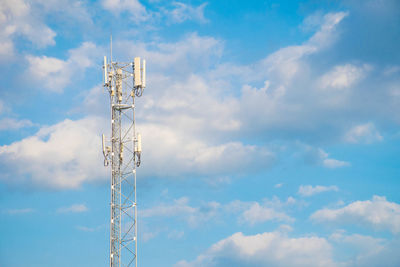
pixel 270 131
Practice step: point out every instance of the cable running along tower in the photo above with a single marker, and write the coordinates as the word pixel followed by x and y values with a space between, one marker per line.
pixel 124 82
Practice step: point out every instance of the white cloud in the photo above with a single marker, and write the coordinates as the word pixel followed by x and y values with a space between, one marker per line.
pixel 309 190
pixel 13 124
pixel 377 213
pixel 75 11
pixel 173 61
pixel 181 208
pixel 331 163
pixel 253 212
pixel 344 76
pixel 363 133
pixel 54 74
pixel 19 211
pixel 278 185
pixel 362 250
pixel 182 153
pixel 266 249
pixel 259 214
pixel 285 63
pixel 320 157
pixel 183 12
pixel 75 208
pixel 18 18
pixel 247 212
pixel 334 163
pixel 134 7
pixel 61 156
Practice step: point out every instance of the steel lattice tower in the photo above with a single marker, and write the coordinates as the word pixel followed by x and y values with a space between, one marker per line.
pixel 124 82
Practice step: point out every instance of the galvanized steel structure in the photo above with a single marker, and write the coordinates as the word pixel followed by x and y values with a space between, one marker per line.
pixel 124 82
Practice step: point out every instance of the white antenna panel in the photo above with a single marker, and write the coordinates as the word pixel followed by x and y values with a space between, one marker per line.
pixel 144 74
pixel 105 70
pixel 139 143
pixel 138 80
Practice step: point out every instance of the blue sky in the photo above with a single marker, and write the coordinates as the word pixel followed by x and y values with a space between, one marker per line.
pixel 270 131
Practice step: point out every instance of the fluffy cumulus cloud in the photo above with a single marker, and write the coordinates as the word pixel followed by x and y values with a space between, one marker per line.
pixel 309 190
pixel 249 213
pixel 363 133
pixel 377 213
pixel 252 213
pixel 342 77
pixel 54 74
pixel 60 156
pixel 258 214
pixel 291 102
pixel 17 18
pixel 364 250
pixel 190 102
pixel 279 249
pixel 266 249
pixel 134 7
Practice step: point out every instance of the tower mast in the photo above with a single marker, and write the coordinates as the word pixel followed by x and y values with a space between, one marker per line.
pixel 124 82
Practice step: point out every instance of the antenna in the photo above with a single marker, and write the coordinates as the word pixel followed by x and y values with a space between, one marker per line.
pixel 144 74
pixel 124 156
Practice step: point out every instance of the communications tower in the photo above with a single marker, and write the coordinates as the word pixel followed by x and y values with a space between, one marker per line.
pixel 124 82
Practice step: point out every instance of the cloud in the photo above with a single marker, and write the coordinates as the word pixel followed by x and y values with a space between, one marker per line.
pixel 259 214
pixel 278 249
pixel 7 124
pixel 76 208
pixel 182 153
pixel 183 12
pixel 309 190
pixel 364 250
pixel 253 212
pixel 61 156
pixel 55 74
pixel 181 208
pixel 18 18
pixel 134 7
pixel 363 133
pixel 266 249
pixel 329 162
pixel 320 157
pixel 19 211
pixel 377 213
pixel 342 77
pixel 247 212
pixel 172 61
pixel 285 63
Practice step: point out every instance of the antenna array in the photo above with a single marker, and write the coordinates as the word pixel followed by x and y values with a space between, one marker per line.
pixel 124 82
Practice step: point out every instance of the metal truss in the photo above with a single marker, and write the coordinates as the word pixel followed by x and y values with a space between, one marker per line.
pixel 124 157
